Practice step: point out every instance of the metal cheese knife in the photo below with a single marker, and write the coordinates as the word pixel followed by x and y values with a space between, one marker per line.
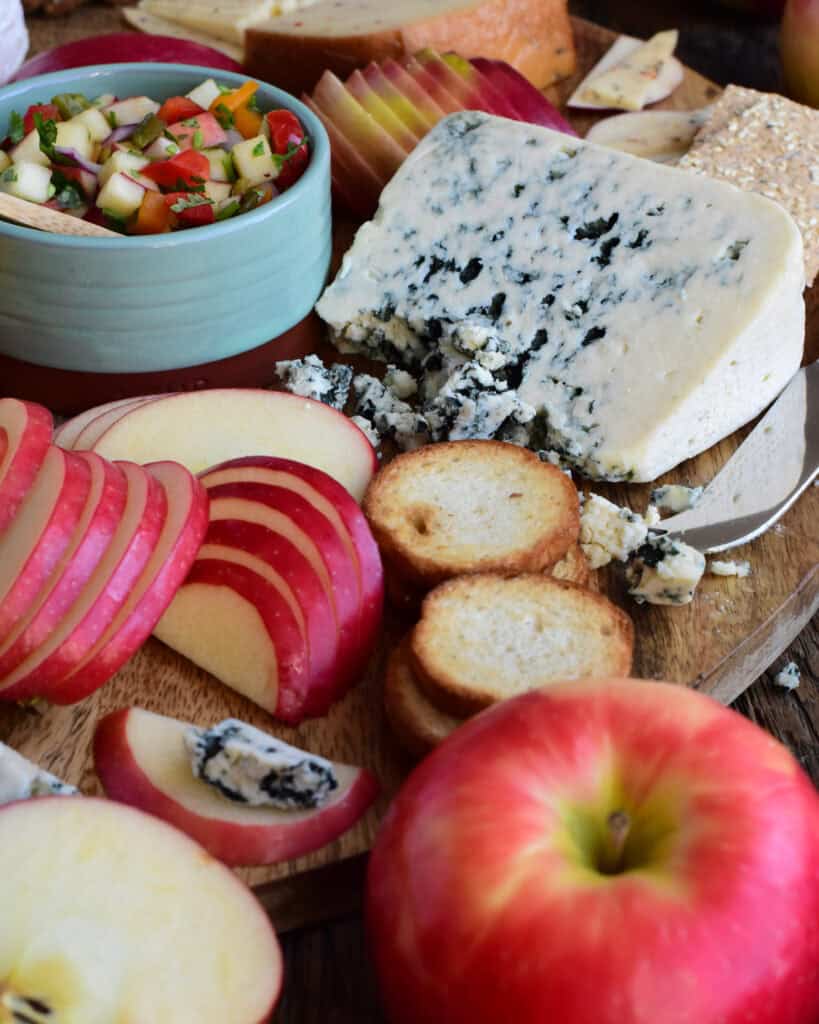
pixel 764 476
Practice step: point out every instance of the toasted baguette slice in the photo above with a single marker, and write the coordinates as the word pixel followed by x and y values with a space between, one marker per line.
pixel 487 637
pixel 418 724
pixel 572 567
pixel 471 506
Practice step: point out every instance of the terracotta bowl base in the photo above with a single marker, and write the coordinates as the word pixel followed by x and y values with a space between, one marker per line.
pixel 70 391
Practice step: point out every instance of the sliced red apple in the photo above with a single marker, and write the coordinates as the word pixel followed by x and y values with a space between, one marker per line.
pixel 403 82
pixel 413 105
pixel 203 428
pixel 67 433
pixel 359 88
pixel 467 84
pixel 439 92
pixel 99 520
pixel 25 436
pixel 34 542
pixel 141 759
pixel 109 914
pixel 531 104
pixel 96 427
pixel 174 554
pixel 107 588
pixel 232 622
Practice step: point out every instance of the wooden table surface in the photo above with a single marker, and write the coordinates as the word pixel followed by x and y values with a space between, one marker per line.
pixel 329 979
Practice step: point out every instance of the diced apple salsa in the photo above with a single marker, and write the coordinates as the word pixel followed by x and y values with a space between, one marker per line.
pixel 144 168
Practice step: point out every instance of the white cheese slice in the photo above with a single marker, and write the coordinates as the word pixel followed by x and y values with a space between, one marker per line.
pixel 641 312
pixel 154 25
pixel 21 779
pixel 632 75
pixel 661 135
pixel 225 19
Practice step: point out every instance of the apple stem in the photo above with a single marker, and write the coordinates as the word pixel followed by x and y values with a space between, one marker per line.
pixel 618 827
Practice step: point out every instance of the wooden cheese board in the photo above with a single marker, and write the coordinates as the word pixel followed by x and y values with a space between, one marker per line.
pixel 719 644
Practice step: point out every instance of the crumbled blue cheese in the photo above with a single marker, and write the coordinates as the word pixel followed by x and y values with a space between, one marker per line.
pixel 367 429
pixel 675 497
pixel 310 378
pixel 402 384
pixel 21 779
pixel 789 677
pixel 389 416
pixel 249 767
pixel 719 568
pixel 609 531
pixel 665 571
pixel 630 305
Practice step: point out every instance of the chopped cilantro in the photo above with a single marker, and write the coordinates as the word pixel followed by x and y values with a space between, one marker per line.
pixel 224 116
pixel 224 90
pixel 198 139
pixel 9 175
pixel 230 170
pixel 253 104
pixel 172 150
pixel 67 193
pixel 17 129
pixel 47 130
pixel 187 202
pixel 111 117
pixel 258 149
pixel 191 122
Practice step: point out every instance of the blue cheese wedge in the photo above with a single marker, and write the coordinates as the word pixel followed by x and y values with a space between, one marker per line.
pixel 21 779
pixel 310 378
pixel 249 767
pixel 665 571
pixel 675 497
pixel 643 313
pixel 789 677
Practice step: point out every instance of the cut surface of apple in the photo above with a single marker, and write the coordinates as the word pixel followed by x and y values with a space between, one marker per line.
pixel 203 428
pixel 35 540
pixel 25 436
pixel 99 520
pixel 95 428
pixel 106 590
pixel 110 914
pixel 142 760
pixel 67 433
pixel 176 548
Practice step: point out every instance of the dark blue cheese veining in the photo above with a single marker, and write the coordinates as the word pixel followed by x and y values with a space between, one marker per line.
pixel 21 779
pixel 249 767
pixel 310 378
pixel 624 314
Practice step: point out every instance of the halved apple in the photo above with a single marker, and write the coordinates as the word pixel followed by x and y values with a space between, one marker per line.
pixel 107 589
pixel 34 542
pixel 174 554
pixel 246 631
pixel 203 428
pixel 100 519
pixel 25 436
pixel 141 759
pixel 110 914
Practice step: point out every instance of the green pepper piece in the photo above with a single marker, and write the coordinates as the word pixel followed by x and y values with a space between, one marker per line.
pixel 70 104
pixel 228 210
pixel 147 131
pixel 250 199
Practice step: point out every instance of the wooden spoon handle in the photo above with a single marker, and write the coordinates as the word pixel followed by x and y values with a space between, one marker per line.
pixel 44 219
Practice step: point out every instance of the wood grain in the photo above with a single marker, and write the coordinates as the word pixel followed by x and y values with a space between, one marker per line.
pixel 719 643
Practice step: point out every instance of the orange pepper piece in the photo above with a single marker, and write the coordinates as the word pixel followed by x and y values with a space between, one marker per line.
pixel 247 122
pixel 153 216
pixel 233 100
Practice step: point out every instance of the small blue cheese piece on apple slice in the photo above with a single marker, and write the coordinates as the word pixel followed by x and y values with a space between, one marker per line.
pixel 21 779
pixel 665 571
pixel 632 75
pixel 675 497
pixel 643 313
pixel 248 766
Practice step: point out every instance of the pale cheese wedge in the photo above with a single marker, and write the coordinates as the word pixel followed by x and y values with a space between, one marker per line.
pixel 660 135
pixel 632 75
pixel 224 19
pixel 154 25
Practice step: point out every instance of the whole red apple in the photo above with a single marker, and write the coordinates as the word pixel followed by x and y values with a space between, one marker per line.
pixel 605 852
pixel 800 50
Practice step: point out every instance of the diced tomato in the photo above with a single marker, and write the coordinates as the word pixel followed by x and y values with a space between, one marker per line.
pixel 196 216
pixel 293 168
pixel 178 108
pixel 188 169
pixel 247 122
pixel 47 111
pixel 153 216
pixel 285 130
pixel 200 132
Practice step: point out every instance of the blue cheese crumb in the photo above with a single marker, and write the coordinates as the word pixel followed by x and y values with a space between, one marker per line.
pixel 789 677
pixel 21 779
pixel 675 497
pixel 249 767
pixel 609 531
pixel 310 378
pixel 665 571
pixel 387 414
pixel 719 568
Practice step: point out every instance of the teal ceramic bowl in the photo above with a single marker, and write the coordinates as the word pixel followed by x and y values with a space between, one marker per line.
pixel 156 303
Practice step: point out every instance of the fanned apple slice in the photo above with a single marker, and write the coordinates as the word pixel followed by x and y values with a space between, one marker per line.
pixel 25 436
pixel 359 88
pixel 98 522
pixel 203 428
pixel 234 623
pixel 111 915
pixel 437 90
pixel 468 87
pixel 94 429
pixel 34 542
pixel 107 589
pixel 415 108
pixel 404 84
pixel 176 548
pixel 67 433
pixel 141 760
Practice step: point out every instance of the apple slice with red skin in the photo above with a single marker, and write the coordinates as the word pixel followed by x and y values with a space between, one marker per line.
pixel 95 428
pixel 176 548
pixel 232 622
pixel 249 543
pixel 484 92
pixel 141 760
pixel 332 501
pixel 112 915
pixel 25 436
pixel 470 92
pixel 67 433
pixel 107 588
pixel 33 544
pixel 358 87
pixel 439 92
pixel 532 104
pixel 416 108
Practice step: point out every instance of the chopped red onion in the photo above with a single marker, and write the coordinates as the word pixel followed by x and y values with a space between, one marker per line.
pixel 124 131
pixel 77 160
